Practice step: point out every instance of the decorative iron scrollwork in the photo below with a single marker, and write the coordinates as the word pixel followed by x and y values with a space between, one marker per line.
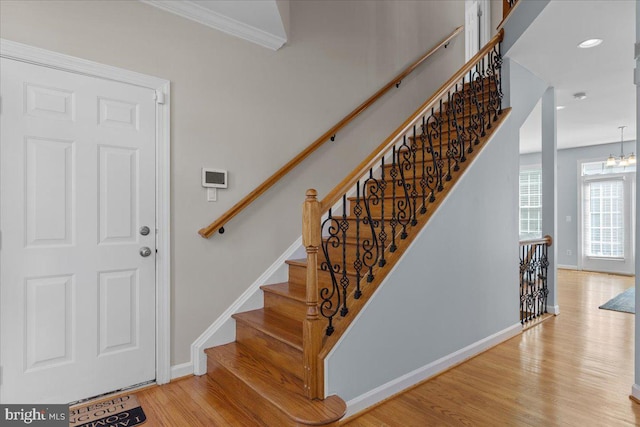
pixel 394 194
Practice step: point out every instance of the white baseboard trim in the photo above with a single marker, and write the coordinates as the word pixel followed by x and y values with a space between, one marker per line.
pixel 635 392
pixel 432 369
pixel 567 267
pixel 554 309
pixel 181 370
pixel 222 330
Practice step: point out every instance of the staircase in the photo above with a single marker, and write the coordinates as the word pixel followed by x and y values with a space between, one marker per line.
pixel 265 372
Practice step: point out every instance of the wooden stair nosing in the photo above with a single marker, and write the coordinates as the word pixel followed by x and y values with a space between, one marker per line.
pixel 282 392
pixel 277 326
pixel 286 299
pixel 286 290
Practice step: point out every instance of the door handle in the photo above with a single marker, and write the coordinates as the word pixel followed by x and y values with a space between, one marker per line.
pixel 145 251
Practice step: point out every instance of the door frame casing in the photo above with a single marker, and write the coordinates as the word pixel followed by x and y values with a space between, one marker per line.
pixel 485 22
pixel 50 59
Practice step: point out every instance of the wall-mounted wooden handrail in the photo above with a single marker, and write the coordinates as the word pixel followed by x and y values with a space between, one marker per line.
pixel 345 186
pixel 218 225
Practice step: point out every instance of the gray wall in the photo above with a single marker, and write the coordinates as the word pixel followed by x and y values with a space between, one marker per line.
pixel 457 284
pixel 567 182
pixel 244 108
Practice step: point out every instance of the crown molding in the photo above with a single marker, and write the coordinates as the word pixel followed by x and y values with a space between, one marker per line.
pixel 194 12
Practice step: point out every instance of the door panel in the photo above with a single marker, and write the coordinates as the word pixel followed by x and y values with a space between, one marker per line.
pixel 77 181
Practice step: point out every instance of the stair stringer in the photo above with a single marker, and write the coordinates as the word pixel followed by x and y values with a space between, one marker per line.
pixel 408 323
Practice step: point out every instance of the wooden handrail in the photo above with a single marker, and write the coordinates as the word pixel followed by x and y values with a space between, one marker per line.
pixel 220 222
pixel 546 240
pixel 376 155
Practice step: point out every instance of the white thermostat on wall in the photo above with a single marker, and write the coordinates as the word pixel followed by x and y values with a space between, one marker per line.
pixel 214 178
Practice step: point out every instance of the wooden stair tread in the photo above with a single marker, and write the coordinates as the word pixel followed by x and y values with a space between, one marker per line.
pixel 288 290
pixel 280 389
pixel 273 324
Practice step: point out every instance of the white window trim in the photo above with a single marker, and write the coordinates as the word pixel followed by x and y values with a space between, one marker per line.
pixel 55 60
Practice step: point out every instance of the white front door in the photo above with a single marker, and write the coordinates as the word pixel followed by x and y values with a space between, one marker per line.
pixel 77 184
pixel 472 29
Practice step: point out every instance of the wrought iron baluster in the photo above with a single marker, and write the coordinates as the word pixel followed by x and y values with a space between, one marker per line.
pixel 434 176
pixel 466 118
pixel 382 235
pixel 357 263
pixel 423 180
pixel 474 125
pixel 414 187
pixel 394 217
pixel 545 274
pixel 371 249
pixel 457 152
pixel 344 280
pixel 404 204
pixel 330 297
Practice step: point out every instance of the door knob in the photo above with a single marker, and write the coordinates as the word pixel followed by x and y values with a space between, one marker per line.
pixel 145 251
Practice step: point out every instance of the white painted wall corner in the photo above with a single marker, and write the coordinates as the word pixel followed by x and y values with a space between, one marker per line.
pixel 222 330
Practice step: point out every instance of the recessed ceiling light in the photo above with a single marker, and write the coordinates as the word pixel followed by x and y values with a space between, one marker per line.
pixel 580 96
pixel 560 107
pixel 590 43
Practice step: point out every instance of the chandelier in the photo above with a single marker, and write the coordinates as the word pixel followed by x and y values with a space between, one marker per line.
pixel 622 160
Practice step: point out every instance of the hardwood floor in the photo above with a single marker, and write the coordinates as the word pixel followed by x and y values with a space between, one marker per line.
pixel 575 369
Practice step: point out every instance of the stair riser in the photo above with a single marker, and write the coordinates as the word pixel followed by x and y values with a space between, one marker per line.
pixel 246 398
pixel 280 354
pixel 286 306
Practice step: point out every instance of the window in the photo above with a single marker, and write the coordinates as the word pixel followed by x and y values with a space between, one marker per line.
pixel 604 218
pixel 530 203
pixel 607 208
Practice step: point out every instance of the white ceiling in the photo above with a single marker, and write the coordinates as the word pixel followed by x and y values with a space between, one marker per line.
pixel 549 49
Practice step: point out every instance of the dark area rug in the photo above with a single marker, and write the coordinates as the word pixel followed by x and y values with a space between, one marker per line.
pixel 625 302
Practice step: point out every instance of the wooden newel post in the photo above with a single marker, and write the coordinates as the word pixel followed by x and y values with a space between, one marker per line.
pixel 312 333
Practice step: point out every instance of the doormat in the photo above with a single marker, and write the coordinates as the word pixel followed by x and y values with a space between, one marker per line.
pixel 123 411
pixel 624 302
